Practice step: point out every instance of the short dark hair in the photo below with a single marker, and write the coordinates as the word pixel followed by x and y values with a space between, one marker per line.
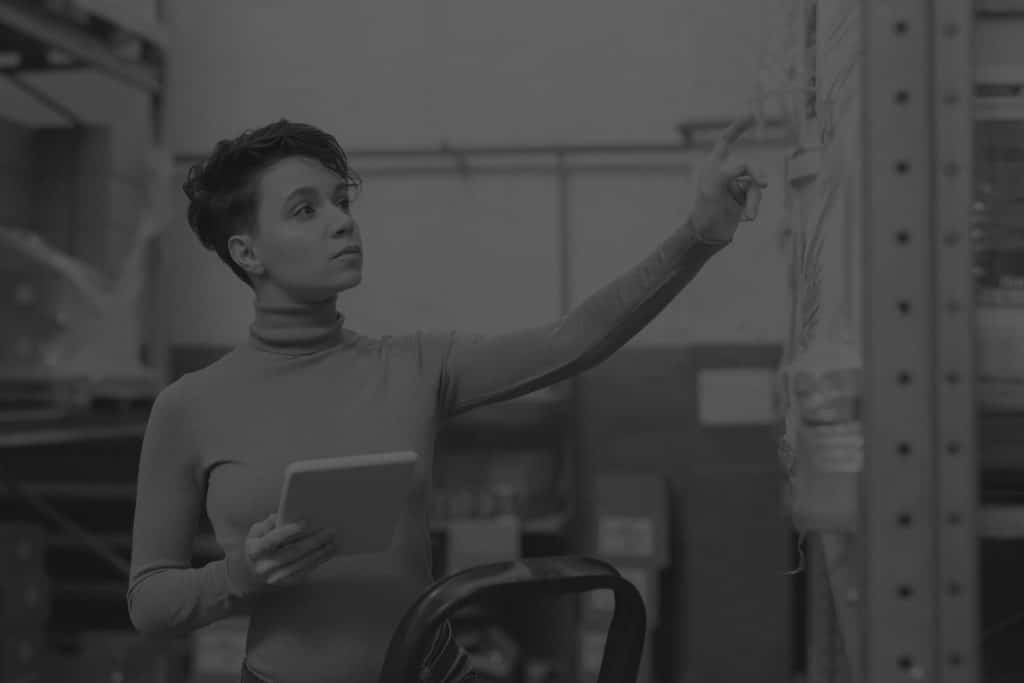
pixel 223 189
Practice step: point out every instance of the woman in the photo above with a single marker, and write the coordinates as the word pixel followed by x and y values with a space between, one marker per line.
pixel 275 206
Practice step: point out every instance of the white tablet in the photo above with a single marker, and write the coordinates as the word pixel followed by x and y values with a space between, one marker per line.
pixel 361 497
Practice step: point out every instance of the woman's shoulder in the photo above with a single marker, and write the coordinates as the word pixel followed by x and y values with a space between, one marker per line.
pixel 198 383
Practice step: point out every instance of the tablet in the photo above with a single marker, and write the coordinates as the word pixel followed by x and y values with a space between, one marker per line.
pixel 360 497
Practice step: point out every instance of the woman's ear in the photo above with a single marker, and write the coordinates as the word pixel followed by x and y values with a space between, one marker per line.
pixel 242 252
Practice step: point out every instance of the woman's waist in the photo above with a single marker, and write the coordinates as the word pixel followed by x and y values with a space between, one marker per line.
pixel 341 596
pixel 357 657
pixel 344 589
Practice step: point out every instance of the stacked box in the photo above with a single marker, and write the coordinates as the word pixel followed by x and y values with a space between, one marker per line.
pixel 24 600
pixel 631 532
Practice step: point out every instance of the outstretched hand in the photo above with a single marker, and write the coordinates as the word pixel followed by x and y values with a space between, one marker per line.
pixel 727 192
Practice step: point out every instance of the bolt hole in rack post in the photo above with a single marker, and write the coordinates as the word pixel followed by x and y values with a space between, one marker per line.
pixel 917 577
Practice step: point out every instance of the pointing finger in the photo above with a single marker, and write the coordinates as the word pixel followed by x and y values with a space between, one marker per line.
pixel 753 203
pixel 731 134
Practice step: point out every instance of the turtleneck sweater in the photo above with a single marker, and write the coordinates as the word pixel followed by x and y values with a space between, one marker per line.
pixel 304 385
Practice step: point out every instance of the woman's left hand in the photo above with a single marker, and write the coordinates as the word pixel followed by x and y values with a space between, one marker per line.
pixel 727 192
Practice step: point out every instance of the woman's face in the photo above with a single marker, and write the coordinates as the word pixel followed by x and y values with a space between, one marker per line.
pixel 306 241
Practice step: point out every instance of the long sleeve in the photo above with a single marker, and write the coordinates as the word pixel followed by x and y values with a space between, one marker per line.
pixel 166 595
pixel 478 370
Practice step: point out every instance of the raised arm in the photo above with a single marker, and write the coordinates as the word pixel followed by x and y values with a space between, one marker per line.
pixel 166 595
pixel 481 370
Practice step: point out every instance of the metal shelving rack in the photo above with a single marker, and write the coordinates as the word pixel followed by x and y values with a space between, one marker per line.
pixel 919 490
pixel 111 38
pixel 899 600
pixel 105 36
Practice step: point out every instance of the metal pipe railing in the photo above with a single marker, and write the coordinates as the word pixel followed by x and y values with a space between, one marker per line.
pixel 462 154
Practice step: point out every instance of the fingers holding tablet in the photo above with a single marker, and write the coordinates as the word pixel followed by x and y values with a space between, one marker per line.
pixel 280 554
pixel 293 568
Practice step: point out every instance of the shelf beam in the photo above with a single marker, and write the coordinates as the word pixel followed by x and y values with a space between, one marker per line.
pixel 53 32
pixel 999 8
pixel 116 12
pixel 58 434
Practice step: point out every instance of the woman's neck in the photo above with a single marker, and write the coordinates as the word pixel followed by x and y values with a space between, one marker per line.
pixel 295 328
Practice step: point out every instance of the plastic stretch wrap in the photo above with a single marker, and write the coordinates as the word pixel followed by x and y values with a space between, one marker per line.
pixel 822 450
pixel 66 321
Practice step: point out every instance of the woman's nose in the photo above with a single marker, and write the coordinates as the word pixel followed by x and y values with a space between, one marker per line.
pixel 344 223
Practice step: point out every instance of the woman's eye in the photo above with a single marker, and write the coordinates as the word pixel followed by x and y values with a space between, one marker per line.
pixel 344 203
pixel 303 210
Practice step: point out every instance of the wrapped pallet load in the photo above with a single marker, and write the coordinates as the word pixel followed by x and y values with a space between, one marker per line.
pixel 822 449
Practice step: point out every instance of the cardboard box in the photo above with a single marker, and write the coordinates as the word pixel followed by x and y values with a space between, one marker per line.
pixel 631 522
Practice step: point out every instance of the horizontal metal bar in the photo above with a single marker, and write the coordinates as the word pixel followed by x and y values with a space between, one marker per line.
pixel 998 8
pixel 90 590
pixel 114 13
pixel 360 154
pixel 687 129
pixel 522 170
pixel 545 149
pixel 74 490
pixel 29 65
pixel 206 544
pixel 203 544
pixel 551 525
pixel 1001 521
pixel 64 435
pixel 38 25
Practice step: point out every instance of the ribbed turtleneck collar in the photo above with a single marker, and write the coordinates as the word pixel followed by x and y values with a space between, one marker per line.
pixel 296 328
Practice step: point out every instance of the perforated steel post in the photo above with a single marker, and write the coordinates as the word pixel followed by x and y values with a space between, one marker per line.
pixel 919 484
pixel 957 659
pixel 899 484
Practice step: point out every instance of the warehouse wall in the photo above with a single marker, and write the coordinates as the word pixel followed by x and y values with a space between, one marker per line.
pixel 477 252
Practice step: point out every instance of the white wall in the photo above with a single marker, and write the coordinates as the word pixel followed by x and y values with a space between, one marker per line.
pixel 480 252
